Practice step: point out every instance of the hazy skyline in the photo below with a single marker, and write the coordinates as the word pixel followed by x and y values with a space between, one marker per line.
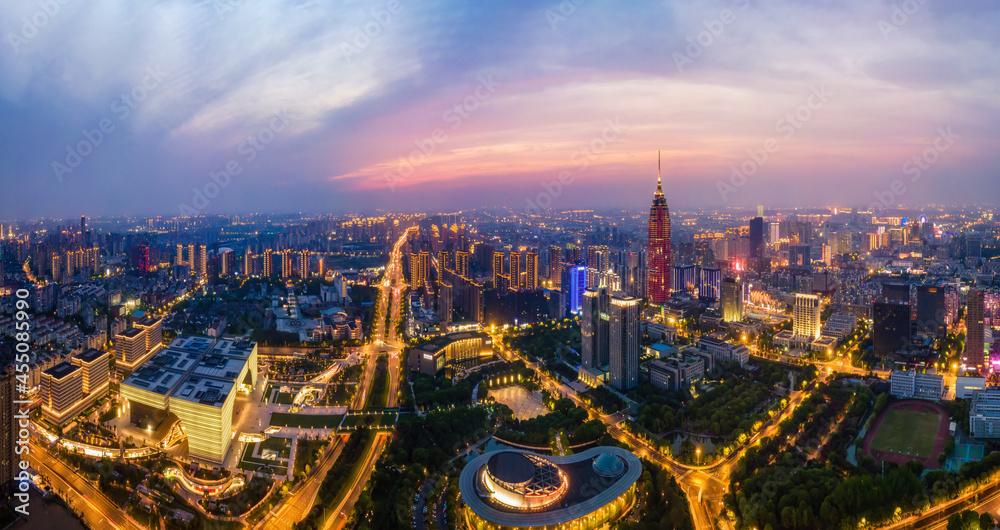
pixel 842 94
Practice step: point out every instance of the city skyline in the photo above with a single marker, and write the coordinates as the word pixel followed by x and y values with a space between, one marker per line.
pixel 334 109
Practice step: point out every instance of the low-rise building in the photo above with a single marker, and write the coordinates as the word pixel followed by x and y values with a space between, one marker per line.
pixel 966 386
pixel 912 384
pixel 432 356
pixel 984 414
pixel 724 351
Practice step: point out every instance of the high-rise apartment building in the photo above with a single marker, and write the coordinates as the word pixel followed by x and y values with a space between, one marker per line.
pixel 8 428
pixel 420 263
pixel 268 264
pixel 555 265
pixel 499 280
pixel 248 263
pixel 658 270
pixel 303 263
pixel 462 263
pixel 805 316
pixel 227 262
pixel 530 271
pixel 515 270
pixel 624 342
pixel 710 285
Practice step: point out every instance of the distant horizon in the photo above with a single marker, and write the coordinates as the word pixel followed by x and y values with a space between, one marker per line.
pixel 176 108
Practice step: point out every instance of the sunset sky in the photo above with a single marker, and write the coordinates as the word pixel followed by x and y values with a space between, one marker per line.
pixel 342 97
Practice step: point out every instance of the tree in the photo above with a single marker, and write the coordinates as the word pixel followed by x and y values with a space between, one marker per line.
pixel 986 521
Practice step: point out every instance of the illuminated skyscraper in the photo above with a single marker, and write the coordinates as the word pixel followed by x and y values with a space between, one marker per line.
pixel 574 282
pixel 530 271
pixel 975 337
pixel 268 265
pixel 304 263
pixel 462 263
pixel 594 327
pixel 227 262
pixel 555 265
pixel 179 258
pixel 515 270
pixel 248 263
pixel 732 300
pixel 805 318
pixel 624 342
pixel 658 274
pixel 498 277
pixel 419 265
pixel 286 263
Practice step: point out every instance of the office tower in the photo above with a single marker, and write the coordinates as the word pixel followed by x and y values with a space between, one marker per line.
pixel 800 256
pixel 594 327
pixel 890 328
pixel 732 300
pixel 286 263
pixel 685 279
pixel 757 240
pixel 462 263
pixel 975 338
pixel 574 282
pixel 248 263
pixel 531 271
pixel 775 233
pixel 153 328
pixel 8 427
pixel 555 265
pixel 624 343
pixel 83 223
pixel 896 292
pixel 514 272
pixel 711 283
pixel 268 265
pixel 805 318
pixel 95 366
pixel 227 262
pixel 179 256
pixel 443 261
pixel 931 310
pixel 61 392
pixel 658 271
pixel 499 282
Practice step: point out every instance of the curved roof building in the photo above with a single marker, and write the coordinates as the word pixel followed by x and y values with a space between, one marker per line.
pixel 513 488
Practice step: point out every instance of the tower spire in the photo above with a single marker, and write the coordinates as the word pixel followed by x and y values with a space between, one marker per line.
pixel 659 181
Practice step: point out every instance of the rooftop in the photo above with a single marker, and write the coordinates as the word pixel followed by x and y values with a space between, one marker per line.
pixel 61 370
pixel 131 333
pixel 155 379
pixel 90 355
pixel 203 390
pixel 192 343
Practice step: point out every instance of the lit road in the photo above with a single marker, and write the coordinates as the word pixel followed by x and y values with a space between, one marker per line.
pixel 97 510
pixel 297 506
pixel 347 505
pixel 704 486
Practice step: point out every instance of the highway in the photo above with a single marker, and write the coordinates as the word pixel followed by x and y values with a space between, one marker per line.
pixel 298 505
pixel 347 505
pixel 97 510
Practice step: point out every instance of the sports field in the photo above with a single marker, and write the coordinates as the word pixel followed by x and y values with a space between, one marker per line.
pixel 907 432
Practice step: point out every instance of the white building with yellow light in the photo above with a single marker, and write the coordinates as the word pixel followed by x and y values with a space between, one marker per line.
pixel 196 379
pixel 512 488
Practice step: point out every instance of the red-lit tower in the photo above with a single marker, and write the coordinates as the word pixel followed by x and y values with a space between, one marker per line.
pixel 658 273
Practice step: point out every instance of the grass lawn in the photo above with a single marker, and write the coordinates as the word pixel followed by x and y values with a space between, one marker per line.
pixel 377 421
pixel 907 432
pixel 306 453
pixel 314 421
pixel 282 446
